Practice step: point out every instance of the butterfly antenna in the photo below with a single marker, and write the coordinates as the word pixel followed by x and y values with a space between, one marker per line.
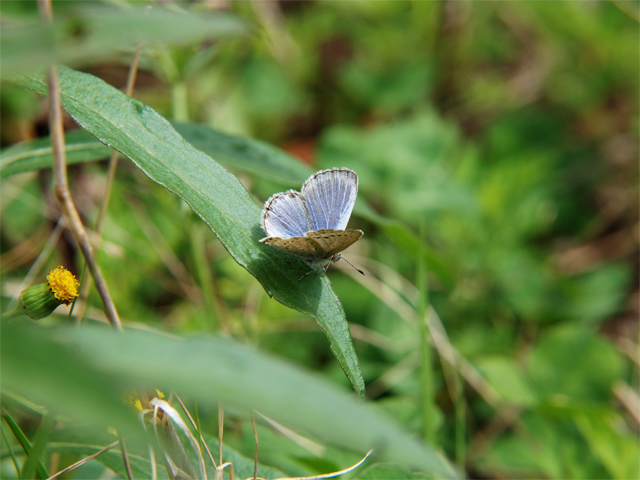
pixel 357 269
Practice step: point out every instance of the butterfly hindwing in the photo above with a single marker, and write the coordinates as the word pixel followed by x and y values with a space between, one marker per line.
pixel 334 241
pixel 304 247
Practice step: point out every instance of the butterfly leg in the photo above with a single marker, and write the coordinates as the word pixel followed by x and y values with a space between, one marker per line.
pixel 313 270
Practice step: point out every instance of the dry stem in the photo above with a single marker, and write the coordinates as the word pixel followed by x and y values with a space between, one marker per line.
pixel 61 188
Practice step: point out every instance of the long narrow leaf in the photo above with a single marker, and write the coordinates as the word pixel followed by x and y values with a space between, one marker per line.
pixel 238 153
pixel 79 362
pixel 36 154
pixel 150 141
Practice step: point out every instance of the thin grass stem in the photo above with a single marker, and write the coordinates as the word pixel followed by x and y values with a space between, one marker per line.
pixel 83 461
pixel 220 430
pixel 460 422
pixel 426 372
pixel 196 426
pixel 11 454
pixel 125 457
pixel 255 436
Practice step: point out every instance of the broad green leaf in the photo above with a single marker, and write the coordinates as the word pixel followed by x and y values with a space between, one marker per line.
pixel 26 368
pixel 99 33
pixel 81 372
pixel 150 141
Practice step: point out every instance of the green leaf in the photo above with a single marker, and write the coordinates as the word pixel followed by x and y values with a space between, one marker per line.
pixel 575 361
pixel 24 443
pixel 503 375
pixel 240 153
pixel 34 155
pixel 617 450
pixel 385 471
pixel 408 241
pixel 99 33
pixel 78 370
pixel 253 156
pixel 150 141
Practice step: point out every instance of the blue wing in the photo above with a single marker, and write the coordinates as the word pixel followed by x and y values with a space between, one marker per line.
pixel 285 215
pixel 330 196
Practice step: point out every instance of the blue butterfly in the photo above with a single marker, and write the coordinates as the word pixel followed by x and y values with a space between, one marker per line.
pixel 311 223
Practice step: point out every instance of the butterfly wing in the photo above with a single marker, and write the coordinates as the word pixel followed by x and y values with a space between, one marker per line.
pixel 334 241
pixel 285 215
pixel 304 247
pixel 330 196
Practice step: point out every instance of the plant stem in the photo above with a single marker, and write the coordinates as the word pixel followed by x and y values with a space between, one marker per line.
pixel 204 276
pixel 179 100
pixel 15 312
pixel 459 420
pixel 61 188
pixel 61 185
pixel 426 380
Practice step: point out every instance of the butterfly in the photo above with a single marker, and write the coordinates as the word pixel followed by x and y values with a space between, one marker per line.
pixel 311 223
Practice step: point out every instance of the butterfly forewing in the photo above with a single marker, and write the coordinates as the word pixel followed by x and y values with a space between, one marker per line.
pixel 330 196
pixel 334 241
pixel 285 215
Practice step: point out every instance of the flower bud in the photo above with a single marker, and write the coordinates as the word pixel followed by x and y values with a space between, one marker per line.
pixel 39 301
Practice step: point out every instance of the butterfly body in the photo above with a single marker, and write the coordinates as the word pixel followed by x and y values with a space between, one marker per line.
pixel 311 223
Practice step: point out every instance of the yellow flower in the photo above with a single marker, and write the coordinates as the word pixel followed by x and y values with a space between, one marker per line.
pixel 39 301
pixel 64 285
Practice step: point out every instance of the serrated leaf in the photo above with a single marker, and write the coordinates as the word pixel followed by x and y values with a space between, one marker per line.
pixel 150 141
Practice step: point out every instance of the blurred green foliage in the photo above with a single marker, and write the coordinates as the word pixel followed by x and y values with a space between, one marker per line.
pixel 510 128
